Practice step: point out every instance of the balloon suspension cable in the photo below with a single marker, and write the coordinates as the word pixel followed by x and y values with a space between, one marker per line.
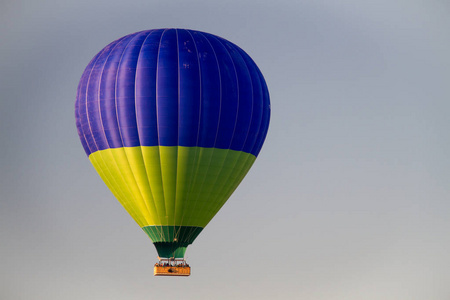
pixel 172 267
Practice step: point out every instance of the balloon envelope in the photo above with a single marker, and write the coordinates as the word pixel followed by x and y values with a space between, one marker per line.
pixel 172 121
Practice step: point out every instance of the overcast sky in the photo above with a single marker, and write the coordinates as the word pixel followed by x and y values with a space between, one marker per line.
pixel 348 200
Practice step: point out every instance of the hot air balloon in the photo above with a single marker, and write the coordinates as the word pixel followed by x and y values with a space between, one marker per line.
pixel 172 120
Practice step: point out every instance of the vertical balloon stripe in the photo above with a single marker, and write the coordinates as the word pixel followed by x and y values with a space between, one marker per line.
pixel 168 164
pixel 126 162
pixel 108 94
pixel 209 120
pixel 192 162
pixel 126 116
pixel 229 96
pixel 214 159
pixel 228 168
pixel 135 160
pixel 196 189
pixel 245 109
pixel 93 95
pixel 145 101
pixel 152 156
pixel 145 212
pixel 128 169
pixel 262 132
pixel 167 116
pixel 189 90
pixel 221 170
pixel 183 170
pixel 89 104
pixel 189 118
pixel 215 171
pixel 146 90
pixel 107 103
pixel 257 107
pixel 125 91
pixel 219 173
pixel 186 172
pixel 78 116
pixel 152 162
pixel 167 90
pixel 95 126
pixel 140 81
pixel 210 91
pixel 82 107
pixel 92 98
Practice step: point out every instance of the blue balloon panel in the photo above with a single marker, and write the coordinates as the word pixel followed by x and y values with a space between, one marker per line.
pixel 172 87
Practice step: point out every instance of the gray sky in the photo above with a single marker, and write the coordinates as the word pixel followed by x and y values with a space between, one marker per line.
pixel 348 200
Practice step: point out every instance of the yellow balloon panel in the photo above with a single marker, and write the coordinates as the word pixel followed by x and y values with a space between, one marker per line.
pixel 161 185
